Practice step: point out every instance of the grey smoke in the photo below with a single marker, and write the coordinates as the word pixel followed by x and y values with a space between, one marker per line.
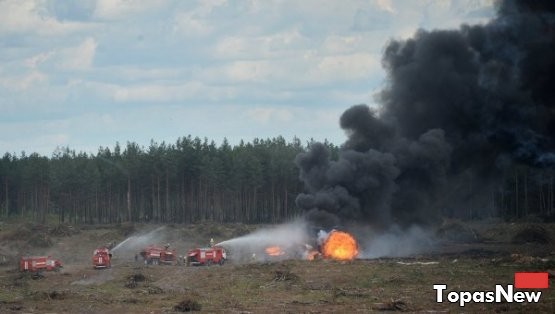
pixel 396 242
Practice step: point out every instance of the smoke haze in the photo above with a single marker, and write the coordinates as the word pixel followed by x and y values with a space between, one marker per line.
pixel 395 242
pixel 290 237
pixel 133 244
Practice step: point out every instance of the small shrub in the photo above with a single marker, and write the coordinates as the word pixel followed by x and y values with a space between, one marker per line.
pixel 133 280
pixel 138 277
pixel 187 305
pixel 131 284
pixel 285 275
pixel 63 230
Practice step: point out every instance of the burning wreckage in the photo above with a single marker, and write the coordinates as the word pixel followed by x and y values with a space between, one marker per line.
pixel 291 241
pixel 336 245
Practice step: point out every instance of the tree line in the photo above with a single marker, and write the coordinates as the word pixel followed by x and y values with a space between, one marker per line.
pixel 189 181
pixel 195 180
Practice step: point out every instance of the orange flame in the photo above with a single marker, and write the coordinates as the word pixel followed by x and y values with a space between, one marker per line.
pixel 340 245
pixel 274 251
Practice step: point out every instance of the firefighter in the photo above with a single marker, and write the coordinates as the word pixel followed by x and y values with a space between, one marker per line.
pixel 211 242
pixel 167 246
pixel 253 257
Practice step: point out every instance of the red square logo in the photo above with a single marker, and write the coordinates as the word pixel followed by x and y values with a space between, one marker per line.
pixel 531 281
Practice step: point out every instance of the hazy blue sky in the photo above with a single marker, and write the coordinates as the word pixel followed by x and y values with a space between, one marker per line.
pixel 89 73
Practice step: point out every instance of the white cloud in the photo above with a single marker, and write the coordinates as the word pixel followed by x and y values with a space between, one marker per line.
pixel 196 22
pixel 386 5
pixel 29 16
pixel 80 57
pixel 308 70
pixel 74 58
pixel 22 82
pixel 36 60
pixel 120 9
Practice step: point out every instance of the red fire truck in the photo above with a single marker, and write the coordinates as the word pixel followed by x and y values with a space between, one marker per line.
pixel 102 258
pixel 206 256
pixel 155 255
pixel 38 263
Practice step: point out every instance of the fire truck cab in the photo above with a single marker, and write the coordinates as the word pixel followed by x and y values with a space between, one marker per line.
pixel 38 263
pixel 154 255
pixel 206 256
pixel 102 258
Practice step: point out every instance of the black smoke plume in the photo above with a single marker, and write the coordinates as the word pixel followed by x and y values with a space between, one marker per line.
pixel 460 106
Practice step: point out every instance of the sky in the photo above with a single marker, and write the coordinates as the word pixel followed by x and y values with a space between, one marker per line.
pixel 90 73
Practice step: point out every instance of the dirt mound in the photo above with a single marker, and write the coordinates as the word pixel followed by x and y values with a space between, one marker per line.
pixel 532 234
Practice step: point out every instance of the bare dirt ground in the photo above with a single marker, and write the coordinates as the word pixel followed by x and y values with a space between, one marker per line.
pixel 489 254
